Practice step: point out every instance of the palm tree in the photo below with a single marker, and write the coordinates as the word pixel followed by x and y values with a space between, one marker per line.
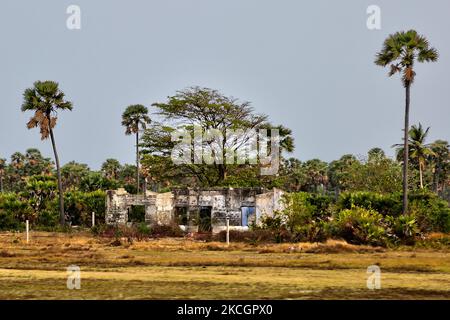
pixel 418 150
pixel 135 118
pixel 46 99
pixel 111 168
pixel 440 160
pixel 2 172
pixel 17 160
pixel 400 51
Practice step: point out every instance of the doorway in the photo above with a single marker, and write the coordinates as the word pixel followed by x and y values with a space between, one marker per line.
pixel 248 216
pixel 204 224
pixel 181 216
pixel 136 214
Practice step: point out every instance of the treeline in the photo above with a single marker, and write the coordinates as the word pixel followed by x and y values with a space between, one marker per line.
pixel 29 187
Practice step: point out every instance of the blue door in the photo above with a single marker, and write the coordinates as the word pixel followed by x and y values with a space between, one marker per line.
pixel 248 214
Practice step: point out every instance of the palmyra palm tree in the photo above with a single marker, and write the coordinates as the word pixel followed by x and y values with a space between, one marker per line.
pixel 111 168
pixel 418 150
pixel 135 118
pixel 45 99
pixel 2 172
pixel 17 160
pixel 400 51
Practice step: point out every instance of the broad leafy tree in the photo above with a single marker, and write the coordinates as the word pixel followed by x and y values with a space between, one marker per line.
pixel 209 110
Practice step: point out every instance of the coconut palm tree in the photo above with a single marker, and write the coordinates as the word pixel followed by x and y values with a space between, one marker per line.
pixel 400 51
pixel 419 152
pixel 134 119
pixel 441 162
pixel 45 99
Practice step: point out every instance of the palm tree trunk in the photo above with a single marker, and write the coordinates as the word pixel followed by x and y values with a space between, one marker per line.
pixel 137 161
pixel 436 178
pixel 406 151
pixel 1 183
pixel 421 175
pixel 62 217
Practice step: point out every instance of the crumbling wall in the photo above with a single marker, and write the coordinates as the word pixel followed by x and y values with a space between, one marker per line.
pixel 119 201
pixel 163 213
pixel 268 203
pixel 222 202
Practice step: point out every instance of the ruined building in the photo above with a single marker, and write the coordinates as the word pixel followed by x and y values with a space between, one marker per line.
pixel 195 210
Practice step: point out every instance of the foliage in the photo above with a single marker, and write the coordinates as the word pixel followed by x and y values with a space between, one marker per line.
pixel 72 174
pixel 134 118
pixel 80 205
pixel 360 226
pixel 96 181
pixel 306 215
pixel 376 174
pixel 389 204
pixel 419 152
pixel 431 212
pixel 402 229
pixel 13 211
pixel 207 110
pixel 400 50
pixel 138 231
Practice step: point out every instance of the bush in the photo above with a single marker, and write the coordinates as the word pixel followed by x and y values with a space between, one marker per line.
pixel 390 204
pixel 139 231
pixel 160 231
pixel 80 205
pixel 402 229
pixel 306 216
pixel 431 212
pixel 360 226
pixel 13 211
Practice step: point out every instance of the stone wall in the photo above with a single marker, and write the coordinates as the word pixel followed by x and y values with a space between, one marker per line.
pixel 160 208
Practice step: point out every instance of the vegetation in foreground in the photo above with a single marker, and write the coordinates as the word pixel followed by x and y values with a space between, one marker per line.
pixel 181 268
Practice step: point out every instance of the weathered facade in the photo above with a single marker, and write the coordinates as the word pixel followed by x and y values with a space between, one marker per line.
pixel 196 210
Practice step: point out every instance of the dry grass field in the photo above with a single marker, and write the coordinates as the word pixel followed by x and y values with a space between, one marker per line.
pixel 186 269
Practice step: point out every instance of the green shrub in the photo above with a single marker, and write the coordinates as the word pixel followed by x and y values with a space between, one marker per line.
pixel 390 204
pixel 143 229
pixel 48 218
pixel 402 229
pixel 431 212
pixel 172 230
pixel 306 216
pixel 270 223
pixel 13 211
pixel 360 226
pixel 80 205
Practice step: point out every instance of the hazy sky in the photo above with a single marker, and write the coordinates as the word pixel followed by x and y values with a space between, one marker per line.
pixel 307 64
